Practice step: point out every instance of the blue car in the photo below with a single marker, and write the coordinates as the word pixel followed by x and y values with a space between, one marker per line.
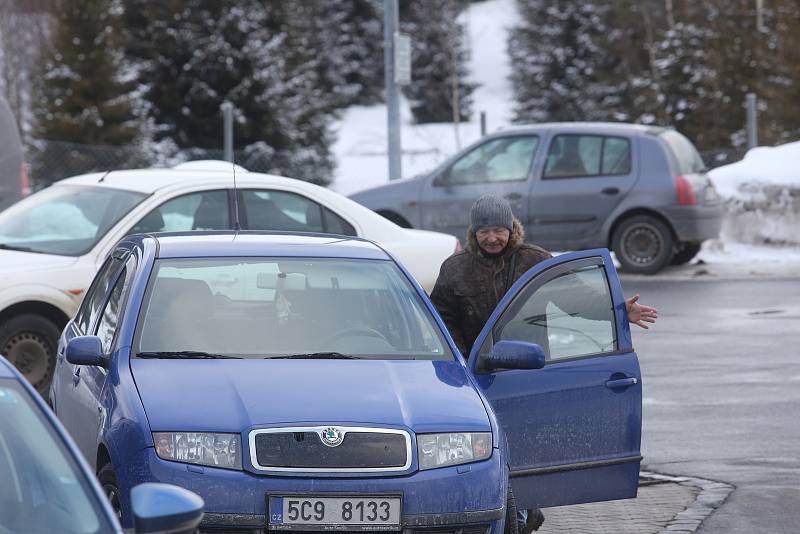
pixel 46 487
pixel 306 382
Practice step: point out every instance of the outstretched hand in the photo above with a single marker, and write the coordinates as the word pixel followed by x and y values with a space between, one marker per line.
pixel 639 314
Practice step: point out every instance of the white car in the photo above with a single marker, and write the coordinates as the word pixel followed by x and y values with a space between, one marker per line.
pixel 52 242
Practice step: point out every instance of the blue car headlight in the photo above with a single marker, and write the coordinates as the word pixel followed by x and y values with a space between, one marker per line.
pixel 202 448
pixel 439 450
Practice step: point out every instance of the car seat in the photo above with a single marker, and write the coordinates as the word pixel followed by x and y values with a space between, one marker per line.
pixel 211 214
pixel 264 214
pixel 152 222
pixel 314 218
pixel 569 162
pixel 179 316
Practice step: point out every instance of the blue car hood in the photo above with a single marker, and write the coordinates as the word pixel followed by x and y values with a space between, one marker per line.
pixel 235 395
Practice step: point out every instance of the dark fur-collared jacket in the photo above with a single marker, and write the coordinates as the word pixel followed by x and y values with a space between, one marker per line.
pixel 471 284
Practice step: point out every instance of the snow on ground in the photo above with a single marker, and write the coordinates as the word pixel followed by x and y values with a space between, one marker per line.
pixel 360 148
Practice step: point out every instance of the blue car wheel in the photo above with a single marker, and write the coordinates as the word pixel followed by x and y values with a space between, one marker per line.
pixel 511 513
pixel 108 480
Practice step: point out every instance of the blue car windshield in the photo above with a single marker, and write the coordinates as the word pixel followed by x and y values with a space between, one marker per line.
pixel 285 307
pixel 42 488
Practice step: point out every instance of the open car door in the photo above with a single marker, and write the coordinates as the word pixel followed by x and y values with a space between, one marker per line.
pixel 573 427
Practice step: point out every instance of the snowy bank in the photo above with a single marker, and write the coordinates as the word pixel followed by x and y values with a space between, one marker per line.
pixel 763 196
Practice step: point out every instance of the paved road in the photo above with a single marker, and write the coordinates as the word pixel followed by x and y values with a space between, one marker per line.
pixel 721 378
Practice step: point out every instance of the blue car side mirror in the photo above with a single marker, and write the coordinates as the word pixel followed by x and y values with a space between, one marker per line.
pixel 165 508
pixel 85 350
pixel 516 355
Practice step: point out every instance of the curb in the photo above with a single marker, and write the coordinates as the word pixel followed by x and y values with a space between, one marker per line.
pixel 711 495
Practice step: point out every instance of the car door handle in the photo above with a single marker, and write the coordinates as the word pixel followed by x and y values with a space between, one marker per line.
pixel 622 382
pixel 76 375
pixel 513 196
pixel 610 191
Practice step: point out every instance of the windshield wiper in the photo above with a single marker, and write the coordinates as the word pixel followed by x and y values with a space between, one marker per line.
pixel 185 354
pixel 5 246
pixel 315 356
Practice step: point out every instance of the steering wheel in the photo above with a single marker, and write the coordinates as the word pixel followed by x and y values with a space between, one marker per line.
pixel 355 331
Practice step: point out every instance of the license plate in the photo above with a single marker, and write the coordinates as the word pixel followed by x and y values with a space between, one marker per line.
pixel 340 512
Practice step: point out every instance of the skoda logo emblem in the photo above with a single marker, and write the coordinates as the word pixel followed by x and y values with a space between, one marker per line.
pixel 331 436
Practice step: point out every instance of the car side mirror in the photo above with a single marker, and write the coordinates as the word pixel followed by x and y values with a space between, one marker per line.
pixel 165 508
pixel 85 350
pixel 516 355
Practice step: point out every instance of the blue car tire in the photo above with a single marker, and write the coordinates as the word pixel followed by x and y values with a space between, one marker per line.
pixel 108 480
pixel 511 513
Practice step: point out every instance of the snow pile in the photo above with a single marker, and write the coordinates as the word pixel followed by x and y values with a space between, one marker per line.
pixel 361 145
pixel 761 166
pixel 763 196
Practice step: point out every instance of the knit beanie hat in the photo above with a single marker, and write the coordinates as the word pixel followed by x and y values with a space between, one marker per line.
pixel 491 211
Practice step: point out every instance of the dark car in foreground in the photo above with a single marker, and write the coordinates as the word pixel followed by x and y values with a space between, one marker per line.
pixel 46 487
pixel 639 190
pixel 305 382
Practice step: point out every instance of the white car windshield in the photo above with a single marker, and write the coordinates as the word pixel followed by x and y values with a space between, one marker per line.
pixel 64 220
pixel 285 307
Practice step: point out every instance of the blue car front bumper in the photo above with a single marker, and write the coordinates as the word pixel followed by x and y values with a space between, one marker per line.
pixel 470 494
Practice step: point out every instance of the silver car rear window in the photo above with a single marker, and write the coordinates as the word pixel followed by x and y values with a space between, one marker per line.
pixel 687 156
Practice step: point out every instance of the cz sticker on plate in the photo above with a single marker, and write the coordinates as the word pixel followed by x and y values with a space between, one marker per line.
pixel 340 512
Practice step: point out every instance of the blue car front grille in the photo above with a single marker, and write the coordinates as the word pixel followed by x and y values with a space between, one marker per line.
pixel 305 450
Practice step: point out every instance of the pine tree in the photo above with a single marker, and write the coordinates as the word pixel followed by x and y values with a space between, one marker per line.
pixel 82 96
pixel 438 68
pixel 350 32
pixel 192 55
pixel 779 89
pixel 303 103
pixel 559 64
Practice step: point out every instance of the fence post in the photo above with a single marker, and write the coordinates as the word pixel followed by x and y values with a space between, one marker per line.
pixel 483 123
pixel 752 120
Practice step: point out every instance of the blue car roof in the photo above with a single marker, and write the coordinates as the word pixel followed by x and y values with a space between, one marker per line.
pixel 261 244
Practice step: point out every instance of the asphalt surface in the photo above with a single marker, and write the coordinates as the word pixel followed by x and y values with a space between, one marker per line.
pixel 721 382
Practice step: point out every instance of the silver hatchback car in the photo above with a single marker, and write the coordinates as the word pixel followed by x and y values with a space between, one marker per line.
pixel 641 191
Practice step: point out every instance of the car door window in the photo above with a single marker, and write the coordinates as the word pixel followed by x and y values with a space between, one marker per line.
pixel 109 320
pixel 616 156
pixel 500 160
pixel 284 211
pixel 202 210
pixel 93 301
pixel 572 156
pixel 570 315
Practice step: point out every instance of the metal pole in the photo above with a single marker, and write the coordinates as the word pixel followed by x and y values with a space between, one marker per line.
pixel 227 130
pixel 760 16
pixel 390 26
pixel 752 120
pixel 483 123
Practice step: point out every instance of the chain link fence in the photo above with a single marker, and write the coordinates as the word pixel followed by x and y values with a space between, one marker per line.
pixel 50 161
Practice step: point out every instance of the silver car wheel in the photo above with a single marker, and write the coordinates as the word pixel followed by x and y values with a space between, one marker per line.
pixel 642 244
